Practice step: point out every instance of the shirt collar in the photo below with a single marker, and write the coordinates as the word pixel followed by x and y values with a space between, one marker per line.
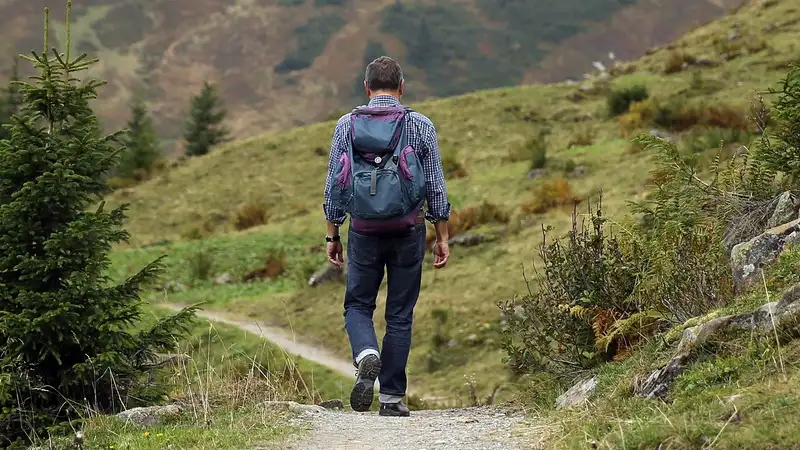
pixel 383 101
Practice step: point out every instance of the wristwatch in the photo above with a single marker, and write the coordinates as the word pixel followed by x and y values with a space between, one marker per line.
pixel 336 238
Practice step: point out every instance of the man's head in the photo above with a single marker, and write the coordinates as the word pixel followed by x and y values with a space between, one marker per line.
pixel 384 77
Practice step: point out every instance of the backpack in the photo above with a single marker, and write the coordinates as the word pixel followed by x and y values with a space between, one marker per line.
pixel 379 181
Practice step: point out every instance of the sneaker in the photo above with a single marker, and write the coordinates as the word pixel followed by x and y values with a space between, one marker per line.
pixel 394 410
pixel 368 370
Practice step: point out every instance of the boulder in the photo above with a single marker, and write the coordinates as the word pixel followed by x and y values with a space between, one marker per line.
pixel 174 286
pixel 785 210
pixel 577 394
pixel 225 278
pixel 658 383
pixel 468 239
pixel 781 318
pixel 536 173
pixel 329 273
pixel 151 415
pixel 748 257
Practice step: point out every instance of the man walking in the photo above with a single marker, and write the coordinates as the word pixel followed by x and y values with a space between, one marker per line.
pixel 384 165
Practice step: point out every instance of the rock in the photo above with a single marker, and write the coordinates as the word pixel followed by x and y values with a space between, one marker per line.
pixel 292 406
pixel 776 318
pixel 225 278
pixel 174 286
pixel 731 55
pixel 332 404
pixel 578 394
pixel 578 172
pixel 661 135
pixel 658 383
pixel 151 415
pixel 468 239
pixel 748 257
pixel 576 97
pixel 536 173
pixel 452 342
pixel 327 274
pixel 785 210
pixel 705 61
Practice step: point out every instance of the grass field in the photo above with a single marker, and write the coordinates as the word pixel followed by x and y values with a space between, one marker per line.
pixel 187 212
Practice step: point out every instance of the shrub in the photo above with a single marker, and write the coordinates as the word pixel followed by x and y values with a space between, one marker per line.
pixel 534 149
pixel 551 193
pixel 600 293
pixel 200 264
pixel 587 281
pixel 67 334
pixel 274 266
pixel 639 115
pixel 678 116
pixel 619 101
pixel 583 137
pixel 250 215
pixel 674 62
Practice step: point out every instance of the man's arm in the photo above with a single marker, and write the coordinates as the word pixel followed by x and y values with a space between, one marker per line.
pixel 438 207
pixel 333 215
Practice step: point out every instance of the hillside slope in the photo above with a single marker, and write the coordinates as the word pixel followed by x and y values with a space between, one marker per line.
pixel 489 134
pixel 283 63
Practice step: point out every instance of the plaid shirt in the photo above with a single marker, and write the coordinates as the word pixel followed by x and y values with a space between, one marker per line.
pixel 421 136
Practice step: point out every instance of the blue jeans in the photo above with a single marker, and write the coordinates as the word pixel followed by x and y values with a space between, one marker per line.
pixel 366 258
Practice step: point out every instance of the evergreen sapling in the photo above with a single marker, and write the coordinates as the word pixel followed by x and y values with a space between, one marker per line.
pixel 204 129
pixel 66 339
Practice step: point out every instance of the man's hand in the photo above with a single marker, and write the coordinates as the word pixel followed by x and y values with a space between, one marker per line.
pixel 335 253
pixel 441 253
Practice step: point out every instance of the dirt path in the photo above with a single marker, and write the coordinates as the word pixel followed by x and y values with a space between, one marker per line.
pixel 482 428
pixel 280 337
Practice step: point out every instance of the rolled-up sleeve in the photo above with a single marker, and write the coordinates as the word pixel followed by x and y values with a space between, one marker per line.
pixel 334 214
pixel 438 205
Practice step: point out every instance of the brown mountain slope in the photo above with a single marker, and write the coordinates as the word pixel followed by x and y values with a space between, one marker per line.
pixel 281 63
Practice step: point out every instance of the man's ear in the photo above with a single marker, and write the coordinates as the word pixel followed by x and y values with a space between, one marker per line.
pixel 402 87
pixel 366 89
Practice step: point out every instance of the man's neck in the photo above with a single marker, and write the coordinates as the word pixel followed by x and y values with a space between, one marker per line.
pixel 385 94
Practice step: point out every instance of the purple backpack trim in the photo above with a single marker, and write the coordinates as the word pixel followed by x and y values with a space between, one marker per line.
pixel 404 164
pixel 384 226
pixel 344 176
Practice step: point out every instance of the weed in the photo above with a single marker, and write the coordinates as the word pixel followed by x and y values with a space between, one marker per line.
pixel 273 267
pixel 551 193
pixel 675 62
pixel 200 264
pixel 619 101
pixel 584 137
pixel 250 215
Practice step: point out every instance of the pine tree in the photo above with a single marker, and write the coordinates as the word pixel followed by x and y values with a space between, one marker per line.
pixel 9 102
pixel 65 330
pixel 204 129
pixel 141 144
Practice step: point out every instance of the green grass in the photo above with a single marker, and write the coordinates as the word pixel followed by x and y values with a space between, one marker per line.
pixel 239 428
pixel 483 130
